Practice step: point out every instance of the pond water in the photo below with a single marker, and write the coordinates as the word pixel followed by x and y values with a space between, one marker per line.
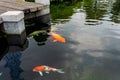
pixel 91 51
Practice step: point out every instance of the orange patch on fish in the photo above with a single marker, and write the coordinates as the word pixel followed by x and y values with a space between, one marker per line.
pixel 39 68
pixel 57 38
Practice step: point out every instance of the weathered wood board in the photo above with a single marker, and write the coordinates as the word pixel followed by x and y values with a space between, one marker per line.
pixel 27 7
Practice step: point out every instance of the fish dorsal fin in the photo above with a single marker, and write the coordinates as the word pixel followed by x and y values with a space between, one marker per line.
pixel 46 68
pixel 40 73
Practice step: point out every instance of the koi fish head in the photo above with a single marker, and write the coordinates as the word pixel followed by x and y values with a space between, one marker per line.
pixel 39 68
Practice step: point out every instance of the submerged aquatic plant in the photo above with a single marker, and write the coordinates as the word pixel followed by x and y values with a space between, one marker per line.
pixel 36 33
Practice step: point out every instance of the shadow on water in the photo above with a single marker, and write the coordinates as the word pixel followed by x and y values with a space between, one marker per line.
pixel 13 62
pixel 38 31
pixel 12 47
pixel 11 53
pixel 3 46
pixel 40 36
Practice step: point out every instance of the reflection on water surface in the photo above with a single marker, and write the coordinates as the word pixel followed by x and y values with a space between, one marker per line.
pixel 91 51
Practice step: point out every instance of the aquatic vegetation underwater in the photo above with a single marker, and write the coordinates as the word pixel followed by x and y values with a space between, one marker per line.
pixel 54 37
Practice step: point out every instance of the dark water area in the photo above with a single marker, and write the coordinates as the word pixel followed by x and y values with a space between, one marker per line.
pixel 91 51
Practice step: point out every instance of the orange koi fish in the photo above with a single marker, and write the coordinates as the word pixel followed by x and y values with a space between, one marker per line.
pixel 56 37
pixel 46 69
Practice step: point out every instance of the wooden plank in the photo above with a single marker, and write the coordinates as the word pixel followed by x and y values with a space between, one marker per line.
pixel 32 6
pixel 7 8
pixel 28 7
pixel 6 0
pixel 39 6
pixel 14 6
pixel 2 11
pixel 32 9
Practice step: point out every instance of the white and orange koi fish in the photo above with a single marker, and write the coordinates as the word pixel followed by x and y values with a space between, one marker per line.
pixel 56 37
pixel 46 69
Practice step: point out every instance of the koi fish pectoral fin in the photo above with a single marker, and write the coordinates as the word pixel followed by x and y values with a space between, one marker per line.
pixel 52 39
pixel 40 73
pixel 47 72
pixel 55 41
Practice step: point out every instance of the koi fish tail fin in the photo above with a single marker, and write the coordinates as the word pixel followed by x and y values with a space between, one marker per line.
pixel 0 73
pixel 40 73
pixel 60 71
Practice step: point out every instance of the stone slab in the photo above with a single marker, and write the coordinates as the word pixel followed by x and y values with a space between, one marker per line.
pixel 45 2
pixel 14 27
pixel 12 16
